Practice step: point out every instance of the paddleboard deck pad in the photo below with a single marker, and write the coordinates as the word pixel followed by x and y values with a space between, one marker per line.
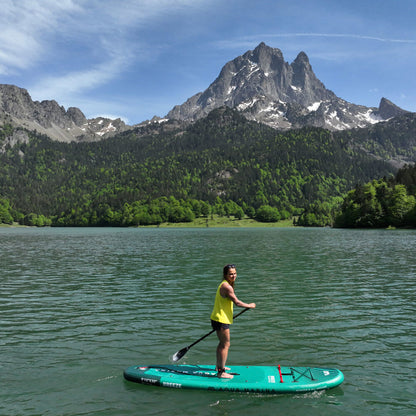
pixel 255 379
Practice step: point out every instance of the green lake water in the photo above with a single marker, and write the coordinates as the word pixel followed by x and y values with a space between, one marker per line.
pixel 77 306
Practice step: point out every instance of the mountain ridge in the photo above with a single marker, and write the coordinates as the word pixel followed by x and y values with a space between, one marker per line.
pixel 265 88
pixel 259 84
pixel 49 118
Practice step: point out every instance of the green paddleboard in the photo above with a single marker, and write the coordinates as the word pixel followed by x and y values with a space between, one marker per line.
pixel 255 379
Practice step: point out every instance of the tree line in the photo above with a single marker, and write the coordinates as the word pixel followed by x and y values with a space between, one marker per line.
pixel 220 165
pixel 380 203
pixel 140 213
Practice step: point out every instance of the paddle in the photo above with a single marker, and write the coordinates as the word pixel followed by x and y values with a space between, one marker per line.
pixel 177 356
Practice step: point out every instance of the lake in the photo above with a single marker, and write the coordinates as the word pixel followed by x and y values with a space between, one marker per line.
pixel 79 305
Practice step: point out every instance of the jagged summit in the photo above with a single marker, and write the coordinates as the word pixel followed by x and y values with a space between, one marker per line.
pixel 265 88
pixel 387 109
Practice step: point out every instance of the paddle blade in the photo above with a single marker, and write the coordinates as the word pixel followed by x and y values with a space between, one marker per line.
pixel 178 355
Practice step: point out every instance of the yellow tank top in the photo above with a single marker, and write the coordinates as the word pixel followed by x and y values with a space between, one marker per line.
pixel 223 308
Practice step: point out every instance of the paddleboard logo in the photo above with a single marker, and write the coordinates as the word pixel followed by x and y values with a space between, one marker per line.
pixel 153 381
pixel 272 379
pixel 174 385
pixel 148 380
pixel 326 373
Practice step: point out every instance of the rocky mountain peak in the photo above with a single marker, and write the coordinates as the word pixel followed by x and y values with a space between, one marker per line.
pixel 266 57
pixel 301 67
pixel 387 109
pixel 265 88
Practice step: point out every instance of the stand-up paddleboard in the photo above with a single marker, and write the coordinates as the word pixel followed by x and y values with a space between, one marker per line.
pixel 255 379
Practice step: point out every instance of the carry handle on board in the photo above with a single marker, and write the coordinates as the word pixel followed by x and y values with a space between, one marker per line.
pixel 178 355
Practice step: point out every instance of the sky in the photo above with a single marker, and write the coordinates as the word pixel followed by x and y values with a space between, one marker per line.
pixel 135 59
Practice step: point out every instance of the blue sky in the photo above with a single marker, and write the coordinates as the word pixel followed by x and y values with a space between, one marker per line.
pixel 138 58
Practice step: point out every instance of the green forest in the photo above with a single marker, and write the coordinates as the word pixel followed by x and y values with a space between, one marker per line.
pixel 379 203
pixel 221 165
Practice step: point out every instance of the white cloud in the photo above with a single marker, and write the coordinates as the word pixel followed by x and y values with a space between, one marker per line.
pixel 17 50
pixel 31 29
pixel 25 27
pixel 72 83
pixel 66 49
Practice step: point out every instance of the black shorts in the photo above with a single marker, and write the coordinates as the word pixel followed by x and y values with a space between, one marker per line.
pixel 219 325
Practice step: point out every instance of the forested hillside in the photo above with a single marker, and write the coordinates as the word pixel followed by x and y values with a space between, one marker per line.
pixel 381 203
pixel 394 140
pixel 222 163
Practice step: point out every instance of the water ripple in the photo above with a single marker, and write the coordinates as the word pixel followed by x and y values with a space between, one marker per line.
pixel 77 306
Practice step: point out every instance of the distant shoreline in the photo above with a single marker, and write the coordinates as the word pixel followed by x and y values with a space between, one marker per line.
pixel 217 222
pixel 224 222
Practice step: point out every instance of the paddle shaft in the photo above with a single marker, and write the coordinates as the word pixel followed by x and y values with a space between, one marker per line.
pixel 209 333
pixel 183 351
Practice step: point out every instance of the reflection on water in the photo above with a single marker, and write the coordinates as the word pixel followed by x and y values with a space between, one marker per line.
pixel 79 305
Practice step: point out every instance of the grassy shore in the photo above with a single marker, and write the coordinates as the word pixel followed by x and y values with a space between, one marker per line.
pixel 217 222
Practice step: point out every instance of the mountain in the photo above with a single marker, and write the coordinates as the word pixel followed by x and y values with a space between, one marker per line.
pixel 49 118
pixel 259 84
pixel 220 160
pixel 265 88
pixel 223 155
